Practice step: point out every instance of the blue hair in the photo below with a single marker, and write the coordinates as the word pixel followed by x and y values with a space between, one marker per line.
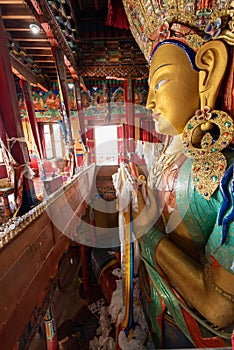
pixel 227 190
pixel 191 54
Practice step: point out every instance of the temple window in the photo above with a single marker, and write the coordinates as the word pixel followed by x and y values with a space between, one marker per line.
pixel 106 145
pixel 54 144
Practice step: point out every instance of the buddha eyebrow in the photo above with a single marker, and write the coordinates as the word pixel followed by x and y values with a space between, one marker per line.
pixel 159 67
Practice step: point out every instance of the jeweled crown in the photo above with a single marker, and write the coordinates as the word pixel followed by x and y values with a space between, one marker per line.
pixel 190 21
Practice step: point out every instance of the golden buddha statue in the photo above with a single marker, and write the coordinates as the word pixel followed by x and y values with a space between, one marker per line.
pixel 187 233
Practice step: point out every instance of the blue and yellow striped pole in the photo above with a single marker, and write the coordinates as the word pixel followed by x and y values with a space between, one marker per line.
pixel 50 327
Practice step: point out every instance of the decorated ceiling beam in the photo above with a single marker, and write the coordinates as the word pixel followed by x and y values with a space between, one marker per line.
pixel 23 65
pixel 41 9
pixel 113 71
pixel 24 73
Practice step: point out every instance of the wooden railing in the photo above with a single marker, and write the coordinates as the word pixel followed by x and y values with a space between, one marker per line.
pixel 31 249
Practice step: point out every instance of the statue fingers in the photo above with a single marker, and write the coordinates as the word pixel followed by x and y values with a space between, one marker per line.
pixel 146 216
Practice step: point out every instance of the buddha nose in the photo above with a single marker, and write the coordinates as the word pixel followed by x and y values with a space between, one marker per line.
pixel 150 103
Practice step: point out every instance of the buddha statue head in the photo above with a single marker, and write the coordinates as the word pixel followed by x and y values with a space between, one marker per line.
pixel 187 45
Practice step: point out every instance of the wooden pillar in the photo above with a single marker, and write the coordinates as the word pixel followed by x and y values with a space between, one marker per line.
pixel 31 114
pixel 61 71
pixel 121 143
pixel 130 117
pixel 80 111
pixel 10 115
pixel 50 328
pixel 3 134
pixel 91 144
pixel 147 130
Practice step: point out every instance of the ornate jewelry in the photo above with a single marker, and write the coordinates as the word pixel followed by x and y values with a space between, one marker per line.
pixel 209 163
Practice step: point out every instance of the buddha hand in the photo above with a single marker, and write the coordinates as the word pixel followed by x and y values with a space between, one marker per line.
pixel 147 214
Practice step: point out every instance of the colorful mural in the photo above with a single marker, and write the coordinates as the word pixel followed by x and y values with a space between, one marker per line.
pixel 47 104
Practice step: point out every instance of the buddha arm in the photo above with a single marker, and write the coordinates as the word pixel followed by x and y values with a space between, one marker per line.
pixel 189 279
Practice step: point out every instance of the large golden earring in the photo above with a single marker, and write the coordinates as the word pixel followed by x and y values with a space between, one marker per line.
pixel 209 163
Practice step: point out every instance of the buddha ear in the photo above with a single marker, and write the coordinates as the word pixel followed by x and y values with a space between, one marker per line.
pixel 212 60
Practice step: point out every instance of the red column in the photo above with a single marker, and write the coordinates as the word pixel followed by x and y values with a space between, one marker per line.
pixel 146 130
pixel 31 114
pixel 3 132
pixel 91 144
pixel 130 117
pixel 61 71
pixel 10 114
pixel 121 144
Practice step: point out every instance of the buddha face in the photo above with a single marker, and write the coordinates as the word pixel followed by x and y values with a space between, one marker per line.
pixel 173 89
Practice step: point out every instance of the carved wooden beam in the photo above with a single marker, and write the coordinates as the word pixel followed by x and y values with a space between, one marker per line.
pixel 25 73
pixel 54 33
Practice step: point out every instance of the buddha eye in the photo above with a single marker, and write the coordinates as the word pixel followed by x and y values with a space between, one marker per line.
pixel 160 83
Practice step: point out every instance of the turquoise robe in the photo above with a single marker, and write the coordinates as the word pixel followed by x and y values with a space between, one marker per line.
pixel 160 301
